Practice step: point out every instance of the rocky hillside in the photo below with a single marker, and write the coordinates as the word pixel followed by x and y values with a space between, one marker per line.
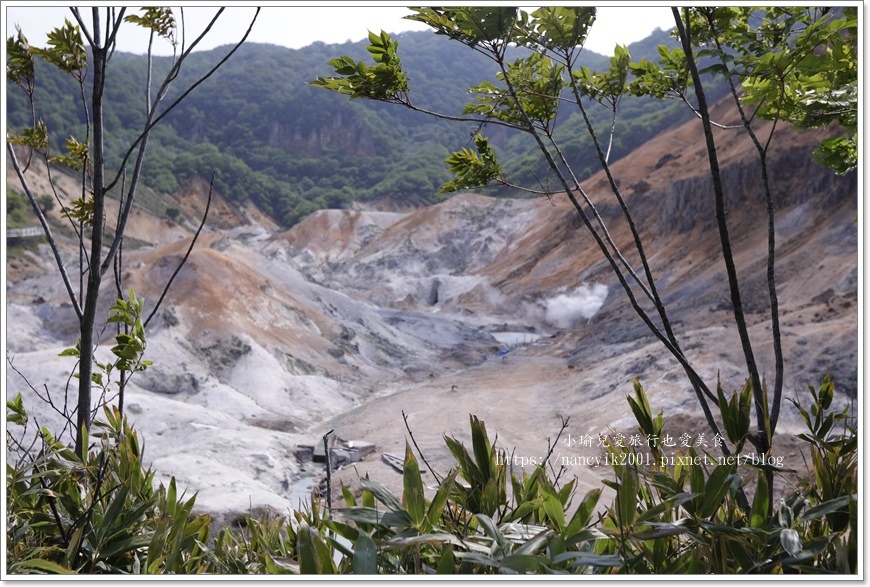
pixel 497 307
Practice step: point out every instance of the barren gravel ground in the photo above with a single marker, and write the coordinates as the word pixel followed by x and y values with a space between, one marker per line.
pixel 523 400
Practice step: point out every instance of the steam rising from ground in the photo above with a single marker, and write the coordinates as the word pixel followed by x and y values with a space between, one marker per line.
pixel 566 309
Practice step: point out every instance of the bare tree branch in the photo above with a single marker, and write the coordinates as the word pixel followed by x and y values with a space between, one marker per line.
pixel 186 255
pixel 143 138
pixel 438 477
pixel 112 30
pixel 173 73
pixel 82 26
pixel 718 190
pixel 45 399
pixel 48 234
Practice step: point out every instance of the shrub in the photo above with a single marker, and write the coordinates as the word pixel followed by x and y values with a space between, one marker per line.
pixel 103 514
pixel 100 514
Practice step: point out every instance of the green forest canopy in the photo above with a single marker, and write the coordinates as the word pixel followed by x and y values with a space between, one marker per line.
pixel 292 149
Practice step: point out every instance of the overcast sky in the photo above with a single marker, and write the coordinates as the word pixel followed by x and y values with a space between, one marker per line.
pixel 300 24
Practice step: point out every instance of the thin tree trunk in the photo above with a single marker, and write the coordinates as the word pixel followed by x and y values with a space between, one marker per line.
pixel 761 442
pixel 697 384
pixel 89 312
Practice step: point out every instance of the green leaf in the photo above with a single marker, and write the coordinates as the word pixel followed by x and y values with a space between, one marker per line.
pixel 492 496
pixel 838 153
pixel 78 157
pixel 351 533
pixel 117 547
pixel 642 411
pixel 828 507
pixel 39 564
pixel 314 555
pixel 73 548
pixel 525 508
pixel 661 530
pixel 697 484
pixel 744 410
pixel 589 559
pixel 385 81
pixel 725 530
pixel 107 523
pixel 446 563
pixel 791 541
pixel 436 508
pixel 171 498
pixel 536 543
pixel 684 564
pixel 667 79
pixel 826 392
pixel 560 27
pixel 305 552
pixel 399 519
pixel 470 25
pixel 19 61
pixel 583 513
pixel 736 413
pixel 65 50
pixel 532 100
pixel 666 505
pixel 82 210
pixel 384 495
pixel 522 563
pixel 761 503
pixel 626 499
pixel 347 495
pixel 493 532
pixel 160 21
pixel 715 490
pixel 363 515
pixel 483 454
pixel 365 556
pixel 473 169
pixel 16 413
pixel 35 138
pixel 477 557
pixel 400 542
pixel 467 466
pixel 587 535
pixel 279 565
pixel 553 507
pixel 412 498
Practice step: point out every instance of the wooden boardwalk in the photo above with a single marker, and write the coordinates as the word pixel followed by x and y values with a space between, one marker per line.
pixel 29 232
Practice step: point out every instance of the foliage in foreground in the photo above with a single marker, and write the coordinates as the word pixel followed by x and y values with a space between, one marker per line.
pixel 102 514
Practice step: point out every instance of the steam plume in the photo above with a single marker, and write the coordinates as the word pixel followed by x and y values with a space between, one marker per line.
pixel 566 309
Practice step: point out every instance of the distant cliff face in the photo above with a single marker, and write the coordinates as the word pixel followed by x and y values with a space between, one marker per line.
pixel 350 139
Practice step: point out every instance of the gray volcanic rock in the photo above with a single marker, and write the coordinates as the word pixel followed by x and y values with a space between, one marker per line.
pixel 354 319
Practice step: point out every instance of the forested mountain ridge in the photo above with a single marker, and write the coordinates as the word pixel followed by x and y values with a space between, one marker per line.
pixel 291 148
